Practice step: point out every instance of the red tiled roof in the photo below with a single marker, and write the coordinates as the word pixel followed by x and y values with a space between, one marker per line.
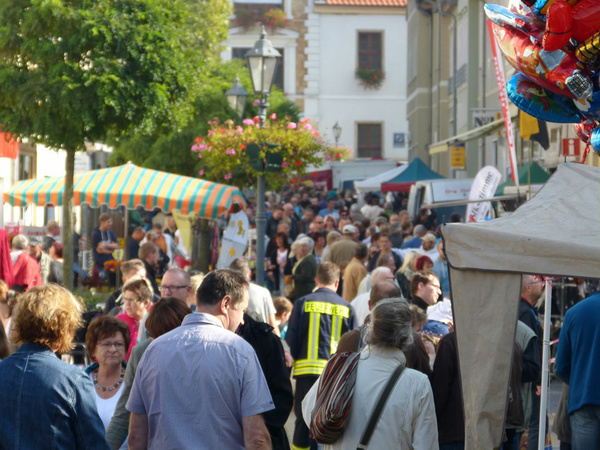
pixel 397 3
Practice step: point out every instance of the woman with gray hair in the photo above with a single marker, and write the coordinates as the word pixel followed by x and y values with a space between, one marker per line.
pixel 408 418
pixel 304 270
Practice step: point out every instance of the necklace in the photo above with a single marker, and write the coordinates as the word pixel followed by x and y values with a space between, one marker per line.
pixel 111 388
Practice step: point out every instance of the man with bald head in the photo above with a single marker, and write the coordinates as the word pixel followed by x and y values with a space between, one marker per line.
pixel 361 302
pixel 354 340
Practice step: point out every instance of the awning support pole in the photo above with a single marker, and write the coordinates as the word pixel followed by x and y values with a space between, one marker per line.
pixel 545 371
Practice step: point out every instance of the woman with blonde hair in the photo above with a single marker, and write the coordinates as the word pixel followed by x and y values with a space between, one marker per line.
pixel 405 272
pixel 52 402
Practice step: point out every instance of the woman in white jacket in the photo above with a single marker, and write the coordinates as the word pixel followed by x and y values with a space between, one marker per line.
pixel 408 420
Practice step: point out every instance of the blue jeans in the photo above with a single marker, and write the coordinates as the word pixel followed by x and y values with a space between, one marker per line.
pixel 585 423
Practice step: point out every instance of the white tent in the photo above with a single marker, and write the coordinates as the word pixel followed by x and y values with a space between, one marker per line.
pixel 374 183
pixel 556 233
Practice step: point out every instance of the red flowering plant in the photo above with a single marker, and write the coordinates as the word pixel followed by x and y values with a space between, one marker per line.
pixel 223 154
pixel 370 78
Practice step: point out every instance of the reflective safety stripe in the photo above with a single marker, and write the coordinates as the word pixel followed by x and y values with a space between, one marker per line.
pixel 327 308
pixel 336 332
pixel 295 447
pixel 309 367
pixel 314 322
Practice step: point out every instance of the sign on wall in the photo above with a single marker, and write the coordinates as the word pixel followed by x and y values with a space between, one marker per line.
pixel 570 147
pixel 458 156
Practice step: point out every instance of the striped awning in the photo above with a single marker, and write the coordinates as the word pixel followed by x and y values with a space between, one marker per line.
pixel 131 186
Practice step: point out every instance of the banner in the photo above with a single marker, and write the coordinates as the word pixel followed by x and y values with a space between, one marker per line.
pixel 184 225
pixel 235 239
pixel 9 148
pixel 484 186
pixel 510 141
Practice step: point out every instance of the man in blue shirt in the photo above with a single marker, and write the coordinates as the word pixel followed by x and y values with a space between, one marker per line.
pixel 201 385
pixel 578 363
pixel 330 210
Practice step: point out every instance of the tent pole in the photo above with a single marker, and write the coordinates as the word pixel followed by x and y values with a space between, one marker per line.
pixel 545 355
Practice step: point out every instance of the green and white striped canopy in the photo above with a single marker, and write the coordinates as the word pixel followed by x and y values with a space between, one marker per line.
pixel 131 186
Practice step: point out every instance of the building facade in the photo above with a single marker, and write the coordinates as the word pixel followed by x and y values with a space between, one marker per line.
pixel 344 62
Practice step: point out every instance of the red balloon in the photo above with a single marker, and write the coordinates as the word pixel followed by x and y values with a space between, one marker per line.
pixel 558 26
pixel 586 19
pixel 584 130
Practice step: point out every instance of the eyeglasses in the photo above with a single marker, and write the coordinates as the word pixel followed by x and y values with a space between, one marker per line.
pixel 109 345
pixel 163 287
pixel 135 300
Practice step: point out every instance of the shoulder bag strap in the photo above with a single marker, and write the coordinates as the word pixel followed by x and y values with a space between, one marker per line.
pixel 379 406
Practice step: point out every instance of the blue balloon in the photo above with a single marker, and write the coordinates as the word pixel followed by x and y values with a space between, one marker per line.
pixel 589 107
pixel 595 140
pixel 541 103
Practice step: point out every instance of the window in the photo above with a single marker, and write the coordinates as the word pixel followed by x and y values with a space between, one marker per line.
pixel 370 51
pixel 369 140
pixel 27 163
pixel 239 53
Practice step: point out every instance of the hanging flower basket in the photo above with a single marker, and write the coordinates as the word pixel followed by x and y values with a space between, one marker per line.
pixel 273 19
pixel 370 78
pixel 229 154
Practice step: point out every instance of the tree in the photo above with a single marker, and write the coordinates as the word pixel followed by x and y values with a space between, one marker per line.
pixel 148 150
pixel 79 70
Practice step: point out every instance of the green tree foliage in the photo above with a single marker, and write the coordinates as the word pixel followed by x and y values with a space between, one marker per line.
pixel 151 150
pixel 73 71
pixel 168 148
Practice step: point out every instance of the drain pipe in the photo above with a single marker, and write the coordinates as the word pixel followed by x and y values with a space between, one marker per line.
pixel 454 64
pixel 430 15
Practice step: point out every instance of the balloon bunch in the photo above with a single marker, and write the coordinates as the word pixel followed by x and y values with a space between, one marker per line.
pixel 555 46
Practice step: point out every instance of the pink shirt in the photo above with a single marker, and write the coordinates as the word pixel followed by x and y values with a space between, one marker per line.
pixel 134 326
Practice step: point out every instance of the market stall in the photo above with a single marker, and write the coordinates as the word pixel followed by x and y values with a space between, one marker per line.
pixel 555 233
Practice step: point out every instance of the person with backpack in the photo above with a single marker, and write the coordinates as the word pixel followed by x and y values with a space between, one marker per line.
pixel 391 405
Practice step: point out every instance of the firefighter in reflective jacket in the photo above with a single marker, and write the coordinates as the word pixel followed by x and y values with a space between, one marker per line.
pixel 316 325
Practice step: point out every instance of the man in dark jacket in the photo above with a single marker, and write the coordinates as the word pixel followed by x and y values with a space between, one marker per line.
pixel 316 324
pixel 532 289
pixel 271 357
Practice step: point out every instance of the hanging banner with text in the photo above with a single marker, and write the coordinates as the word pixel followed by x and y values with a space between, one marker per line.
pixel 484 186
pixel 510 140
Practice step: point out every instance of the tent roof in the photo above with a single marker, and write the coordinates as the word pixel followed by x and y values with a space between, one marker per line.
pixel 538 176
pixel 554 233
pixel 417 170
pixel 374 183
pixel 131 186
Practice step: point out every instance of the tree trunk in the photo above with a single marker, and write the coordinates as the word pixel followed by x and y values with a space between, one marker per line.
pixel 205 246
pixel 68 220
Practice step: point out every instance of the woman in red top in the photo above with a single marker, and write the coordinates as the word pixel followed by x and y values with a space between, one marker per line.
pixel 137 300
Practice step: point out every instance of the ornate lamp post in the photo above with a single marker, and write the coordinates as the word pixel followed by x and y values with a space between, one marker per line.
pixel 262 63
pixel 236 97
pixel 337 132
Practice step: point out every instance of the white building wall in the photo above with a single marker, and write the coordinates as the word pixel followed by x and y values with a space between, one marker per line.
pixel 49 163
pixel 334 94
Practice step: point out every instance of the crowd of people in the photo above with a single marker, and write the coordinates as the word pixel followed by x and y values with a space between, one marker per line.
pixel 217 361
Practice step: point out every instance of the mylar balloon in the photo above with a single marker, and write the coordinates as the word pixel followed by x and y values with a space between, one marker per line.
pixel 539 102
pixel 559 71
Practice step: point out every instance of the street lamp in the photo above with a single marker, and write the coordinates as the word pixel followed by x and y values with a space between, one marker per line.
pixel 337 132
pixel 262 64
pixel 236 97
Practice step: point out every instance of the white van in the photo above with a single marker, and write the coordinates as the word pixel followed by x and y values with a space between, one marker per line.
pixel 430 192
